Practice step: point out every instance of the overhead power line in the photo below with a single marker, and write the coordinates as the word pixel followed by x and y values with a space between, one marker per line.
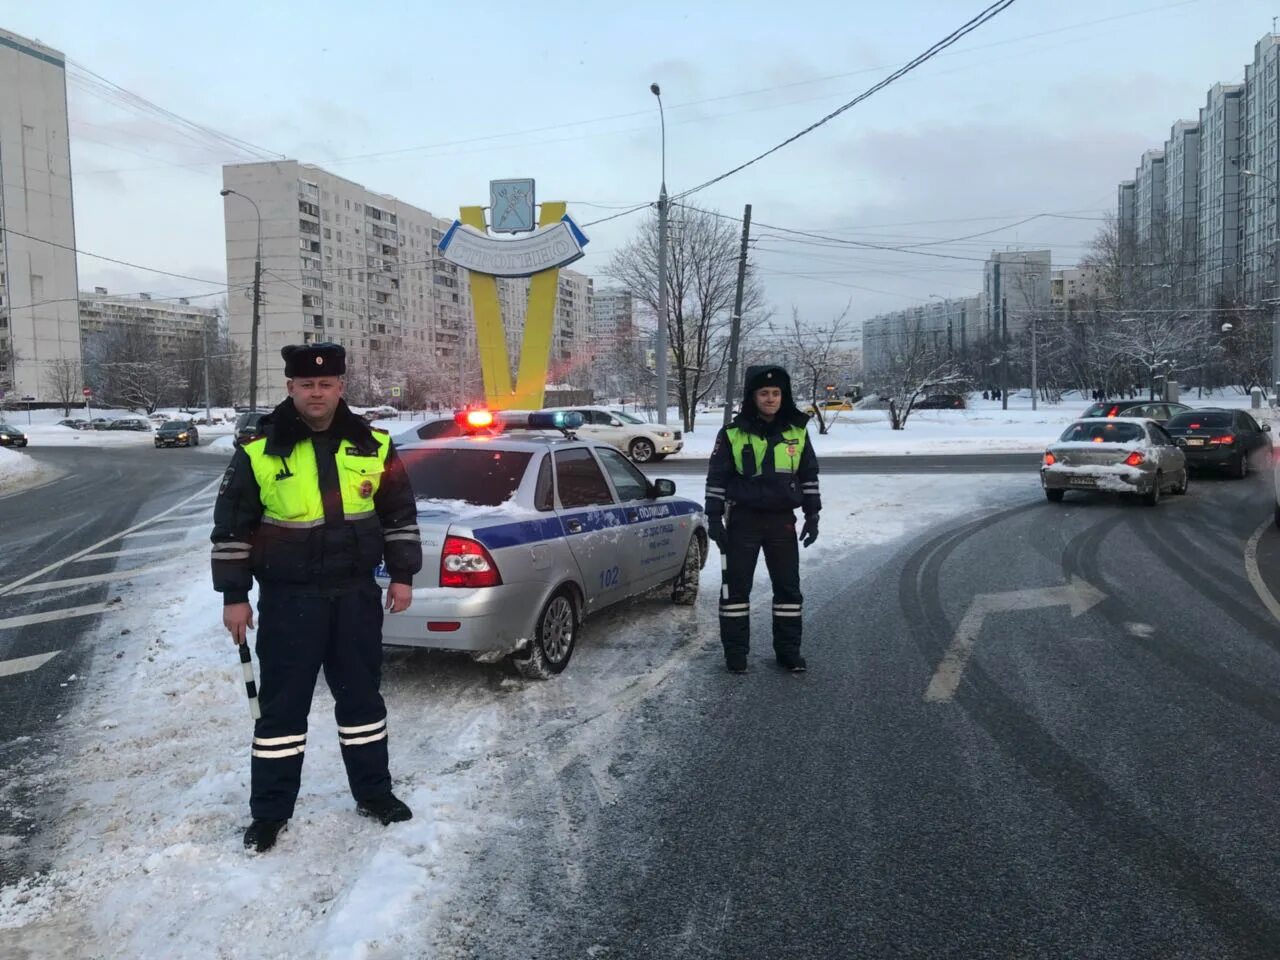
pixel 990 13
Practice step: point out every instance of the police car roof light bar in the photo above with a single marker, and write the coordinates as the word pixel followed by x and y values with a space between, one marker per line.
pixel 565 422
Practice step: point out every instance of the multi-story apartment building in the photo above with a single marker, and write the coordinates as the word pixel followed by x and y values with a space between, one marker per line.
pixel 1261 155
pixel 612 313
pixel 1127 213
pixel 345 264
pixel 38 281
pixel 1073 289
pixel 170 322
pixel 571 328
pixel 1150 195
pixel 1015 289
pixel 1182 206
pixel 1218 244
pixel 950 327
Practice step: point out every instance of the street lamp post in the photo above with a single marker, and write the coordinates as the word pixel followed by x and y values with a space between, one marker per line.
pixel 257 296
pixel 1275 308
pixel 660 341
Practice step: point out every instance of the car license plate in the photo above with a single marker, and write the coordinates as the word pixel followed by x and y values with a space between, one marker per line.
pixel 381 571
pixel 1082 482
pixel 1195 442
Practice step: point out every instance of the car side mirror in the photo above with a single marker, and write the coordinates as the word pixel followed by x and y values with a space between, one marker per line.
pixel 662 488
pixel 1266 428
pixel 615 423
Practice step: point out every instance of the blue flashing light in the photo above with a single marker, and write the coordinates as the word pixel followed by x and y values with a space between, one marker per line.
pixel 557 420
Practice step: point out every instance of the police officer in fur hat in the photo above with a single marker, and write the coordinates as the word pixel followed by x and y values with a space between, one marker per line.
pixel 762 468
pixel 309 508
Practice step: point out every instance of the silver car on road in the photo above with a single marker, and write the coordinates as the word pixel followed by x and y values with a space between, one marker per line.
pixel 525 533
pixel 1117 455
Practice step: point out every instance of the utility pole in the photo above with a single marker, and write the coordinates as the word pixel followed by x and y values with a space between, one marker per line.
pixel 1004 352
pixel 735 322
pixel 208 415
pixel 253 350
pixel 660 341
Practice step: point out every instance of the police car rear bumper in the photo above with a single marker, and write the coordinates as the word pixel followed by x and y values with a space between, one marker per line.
pixel 495 620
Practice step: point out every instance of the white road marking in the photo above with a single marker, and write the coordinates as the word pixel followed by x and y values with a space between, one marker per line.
pixel 1141 629
pixel 9 668
pixel 148 533
pixel 1255 577
pixel 96 578
pixel 10 587
pixel 1078 595
pixel 132 551
pixel 10 623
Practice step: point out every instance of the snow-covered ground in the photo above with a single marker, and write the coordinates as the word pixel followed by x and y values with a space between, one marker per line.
pixel 156 765
pixel 19 470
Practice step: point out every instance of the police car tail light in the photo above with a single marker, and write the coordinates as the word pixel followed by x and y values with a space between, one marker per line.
pixel 466 563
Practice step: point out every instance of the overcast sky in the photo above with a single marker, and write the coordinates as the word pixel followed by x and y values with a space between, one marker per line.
pixel 1043 110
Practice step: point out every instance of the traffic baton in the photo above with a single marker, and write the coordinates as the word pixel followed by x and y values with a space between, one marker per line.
pixel 250 686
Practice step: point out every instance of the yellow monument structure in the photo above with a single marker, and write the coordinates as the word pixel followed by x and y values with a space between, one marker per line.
pixel 554 241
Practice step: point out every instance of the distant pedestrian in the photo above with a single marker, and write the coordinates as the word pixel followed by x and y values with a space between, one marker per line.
pixel 985 396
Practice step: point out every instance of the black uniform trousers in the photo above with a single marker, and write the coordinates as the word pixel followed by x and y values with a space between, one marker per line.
pixel 299 631
pixel 749 531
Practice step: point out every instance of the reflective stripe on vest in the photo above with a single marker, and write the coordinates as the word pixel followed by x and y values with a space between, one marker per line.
pixel 290 486
pixel 786 454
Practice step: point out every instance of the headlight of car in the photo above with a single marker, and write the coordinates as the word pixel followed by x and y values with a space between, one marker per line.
pixel 4 436
pixel 665 434
pixel 182 436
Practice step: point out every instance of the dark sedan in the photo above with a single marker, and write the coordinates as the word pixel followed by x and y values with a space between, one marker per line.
pixel 11 436
pixel 1219 439
pixel 177 433
pixel 1158 410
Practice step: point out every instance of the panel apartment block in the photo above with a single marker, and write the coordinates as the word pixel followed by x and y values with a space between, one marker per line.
pixel 38 283
pixel 1218 246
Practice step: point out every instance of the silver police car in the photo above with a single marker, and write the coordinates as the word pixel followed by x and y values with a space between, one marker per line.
pixel 526 531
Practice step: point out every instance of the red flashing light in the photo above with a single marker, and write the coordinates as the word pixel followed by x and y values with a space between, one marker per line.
pixel 466 563
pixel 1113 412
pixel 1134 459
pixel 1049 459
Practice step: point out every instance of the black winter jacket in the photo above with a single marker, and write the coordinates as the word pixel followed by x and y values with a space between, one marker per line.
pixel 338 555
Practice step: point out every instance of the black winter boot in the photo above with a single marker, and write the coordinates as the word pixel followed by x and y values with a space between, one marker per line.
pixel 792 661
pixel 736 662
pixel 260 836
pixel 385 809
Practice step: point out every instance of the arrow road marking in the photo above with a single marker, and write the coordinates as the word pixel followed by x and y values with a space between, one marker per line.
pixel 1077 595
pixel 12 623
pixel 25 664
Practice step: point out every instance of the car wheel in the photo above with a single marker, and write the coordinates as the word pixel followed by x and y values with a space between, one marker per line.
pixel 1152 496
pixel 684 591
pixel 641 450
pixel 1242 467
pixel 1181 488
pixel 553 642
pixel 1054 496
pixel 1278 514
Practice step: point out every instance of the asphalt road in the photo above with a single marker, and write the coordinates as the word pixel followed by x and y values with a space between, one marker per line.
pixel 58 532
pixel 1096 785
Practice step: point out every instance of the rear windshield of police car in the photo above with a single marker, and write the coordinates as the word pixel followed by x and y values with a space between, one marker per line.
pixel 482 477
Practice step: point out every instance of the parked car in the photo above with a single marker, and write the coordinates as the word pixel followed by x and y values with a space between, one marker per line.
pixel 100 423
pixel 247 425
pixel 11 436
pixel 129 423
pixel 177 433
pixel 872 402
pixel 524 534
pixel 432 428
pixel 642 441
pixel 1115 455
pixel 941 401
pixel 74 424
pixel 1220 439
pixel 1158 410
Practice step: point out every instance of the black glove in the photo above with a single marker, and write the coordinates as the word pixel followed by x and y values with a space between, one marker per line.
pixel 716 531
pixel 809 532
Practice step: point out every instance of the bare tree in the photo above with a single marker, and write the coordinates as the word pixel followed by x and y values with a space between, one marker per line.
pixel 1157 345
pixel 702 274
pixel 65 382
pixel 817 355
pixel 8 361
pixel 916 366
pixel 228 370
pixel 124 368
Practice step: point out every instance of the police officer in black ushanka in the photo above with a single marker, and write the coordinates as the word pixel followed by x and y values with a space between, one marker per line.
pixel 309 507
pixel 762 468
